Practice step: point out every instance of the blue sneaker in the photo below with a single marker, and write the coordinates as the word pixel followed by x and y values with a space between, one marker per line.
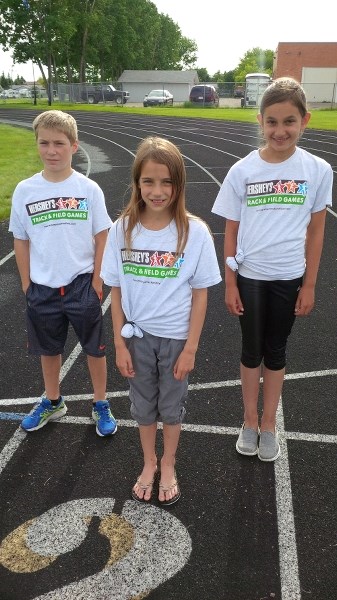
pixel 105 422
pixel 43 412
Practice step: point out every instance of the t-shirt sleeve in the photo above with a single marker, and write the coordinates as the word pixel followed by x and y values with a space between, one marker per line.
pixel 227 203
pixel 207 272
pixel 100 217
pixel 324 191
pixel 110 263
pixel 16 225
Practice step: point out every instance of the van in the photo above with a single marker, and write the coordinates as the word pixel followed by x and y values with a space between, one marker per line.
pixel 206 95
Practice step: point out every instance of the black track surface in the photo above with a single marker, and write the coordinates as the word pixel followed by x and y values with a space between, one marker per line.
pixel 243 529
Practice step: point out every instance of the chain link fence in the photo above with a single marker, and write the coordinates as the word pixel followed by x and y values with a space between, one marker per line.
pixel 319 95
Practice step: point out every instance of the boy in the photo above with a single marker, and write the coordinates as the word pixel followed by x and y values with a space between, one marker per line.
pixel 60 224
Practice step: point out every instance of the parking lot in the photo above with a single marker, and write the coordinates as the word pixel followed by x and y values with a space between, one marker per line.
pixel 243 529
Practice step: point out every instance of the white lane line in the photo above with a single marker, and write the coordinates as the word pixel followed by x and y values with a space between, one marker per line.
pixel 191 387
pixel 289 575
pixel 319 438
pixel 10 448
pixel 87 156
pixel 5 258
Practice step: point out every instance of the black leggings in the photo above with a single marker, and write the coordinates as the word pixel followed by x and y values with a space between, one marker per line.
pixel 269 314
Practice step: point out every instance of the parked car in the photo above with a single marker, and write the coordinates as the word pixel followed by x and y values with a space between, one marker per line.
pixel 25 93
pixel 10 94
pixel 104 93
pixel 204 94
pixel 158 97
pixel 239 91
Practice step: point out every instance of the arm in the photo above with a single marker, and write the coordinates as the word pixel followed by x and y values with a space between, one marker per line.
pixel 314 245
pixel 97 281
pixel 232 296
pixel 186 359
pixel 123 356
pixel 22 257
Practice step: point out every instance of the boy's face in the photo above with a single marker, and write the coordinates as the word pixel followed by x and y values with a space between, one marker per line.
pixel 56 151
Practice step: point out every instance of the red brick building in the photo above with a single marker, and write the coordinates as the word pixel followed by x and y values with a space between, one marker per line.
pixel 292 57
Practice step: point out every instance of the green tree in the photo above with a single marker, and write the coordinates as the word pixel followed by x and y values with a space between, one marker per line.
pixel 78 39
pixel 5 82
pixel 255 61
pixel 203 75
pixel 34 30
pixel 19 81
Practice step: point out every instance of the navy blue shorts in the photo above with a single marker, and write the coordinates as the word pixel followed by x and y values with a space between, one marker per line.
pixel 50 310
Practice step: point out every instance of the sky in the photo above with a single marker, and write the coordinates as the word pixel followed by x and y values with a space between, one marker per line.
pixel 224 32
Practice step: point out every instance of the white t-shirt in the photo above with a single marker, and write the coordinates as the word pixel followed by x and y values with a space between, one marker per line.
pixel 156 289
pixel 60 220
pixel 274 203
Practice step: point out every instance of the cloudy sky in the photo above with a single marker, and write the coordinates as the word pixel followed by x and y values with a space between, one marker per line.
pixel 225 31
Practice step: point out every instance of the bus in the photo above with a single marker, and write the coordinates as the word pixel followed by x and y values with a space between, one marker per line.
pixel 255 84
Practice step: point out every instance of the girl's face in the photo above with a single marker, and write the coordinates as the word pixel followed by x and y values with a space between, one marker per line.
pixel 282 125
pixel 156 188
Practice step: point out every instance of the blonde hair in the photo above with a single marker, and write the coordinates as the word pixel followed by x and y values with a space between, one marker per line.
pixel 163 152
pixel 57 119
pixel 284 89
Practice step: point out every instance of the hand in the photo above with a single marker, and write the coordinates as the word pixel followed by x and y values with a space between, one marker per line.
pixel 184 364
pixel 98 287
pixel 124 362
pixel 233 301
pixel 305 301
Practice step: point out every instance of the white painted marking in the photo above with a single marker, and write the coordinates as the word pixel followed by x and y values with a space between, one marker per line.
pixel 161 548
pixel 5 258
pixel 290 582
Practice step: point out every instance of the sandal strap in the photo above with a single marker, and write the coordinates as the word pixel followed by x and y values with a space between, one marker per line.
pixel 144 486
pixel 168 489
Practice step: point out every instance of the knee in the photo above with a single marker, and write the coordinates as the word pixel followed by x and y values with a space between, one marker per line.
pixel 276 360
pixel 172 418
pixel 251 361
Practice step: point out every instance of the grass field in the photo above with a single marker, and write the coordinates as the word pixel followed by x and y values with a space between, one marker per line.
pixel 18 154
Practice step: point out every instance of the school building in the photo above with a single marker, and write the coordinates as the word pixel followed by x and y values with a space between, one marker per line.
pixel 314 64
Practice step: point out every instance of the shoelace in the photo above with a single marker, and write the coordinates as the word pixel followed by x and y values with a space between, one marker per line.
pixel 105 413
pixel 38 407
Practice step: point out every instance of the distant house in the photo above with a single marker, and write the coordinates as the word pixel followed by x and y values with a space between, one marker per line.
pixel 140 83
pixel 314 64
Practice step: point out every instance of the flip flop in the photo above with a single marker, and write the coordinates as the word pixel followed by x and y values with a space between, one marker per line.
pixel 144 487
pixel 167 489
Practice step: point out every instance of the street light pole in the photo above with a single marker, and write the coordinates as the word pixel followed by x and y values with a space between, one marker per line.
pixel 34 88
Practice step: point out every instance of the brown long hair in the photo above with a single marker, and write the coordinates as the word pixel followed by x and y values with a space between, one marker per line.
pixel 163 152
pixel 284 89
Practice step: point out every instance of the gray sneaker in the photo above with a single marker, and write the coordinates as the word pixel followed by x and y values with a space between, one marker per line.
pixel 247 441
pixel 269 447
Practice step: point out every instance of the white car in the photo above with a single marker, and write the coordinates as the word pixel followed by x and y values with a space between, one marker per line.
pixel 25 93
pixel 157 98
pixel 10 94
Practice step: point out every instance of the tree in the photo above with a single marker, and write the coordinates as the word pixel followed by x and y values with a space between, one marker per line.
pixel 19 81
pixel 34 30
pixel 255 61
pixel 95 38
pixel 203 75
pixel 5 82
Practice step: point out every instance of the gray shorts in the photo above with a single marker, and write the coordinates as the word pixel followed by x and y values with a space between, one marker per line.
pixel 155 394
